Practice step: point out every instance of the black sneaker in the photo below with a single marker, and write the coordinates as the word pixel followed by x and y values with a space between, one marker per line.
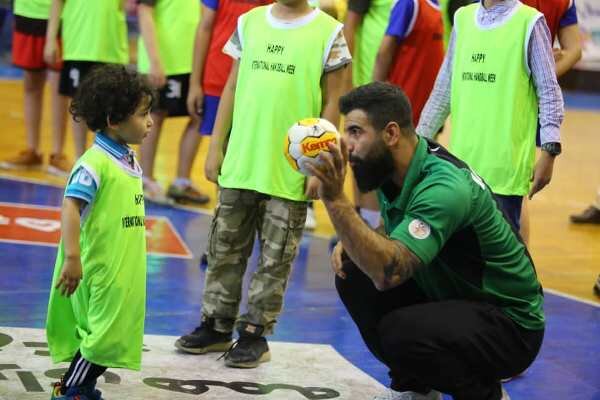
pixel 247 352
pixel 204 339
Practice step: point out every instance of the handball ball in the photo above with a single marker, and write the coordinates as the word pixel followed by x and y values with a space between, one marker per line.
pixel 306 139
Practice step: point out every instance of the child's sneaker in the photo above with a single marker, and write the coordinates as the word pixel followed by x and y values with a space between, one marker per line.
pixel 26 159
pixel 59 165
pixel 187 194
pixel 86 392
pixel 204 339
pixel 249 350
pixel 154 193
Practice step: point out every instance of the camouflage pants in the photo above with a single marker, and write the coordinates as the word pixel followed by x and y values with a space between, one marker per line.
pixel 239 216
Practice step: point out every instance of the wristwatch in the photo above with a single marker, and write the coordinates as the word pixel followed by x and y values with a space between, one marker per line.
pixel 552 148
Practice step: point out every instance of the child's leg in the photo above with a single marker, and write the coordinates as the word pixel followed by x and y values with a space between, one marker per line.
pixel 81 373
pixel 153 191
pixel 33 83
pixel 182 188
pixel 188 148
pixel 150 144
pixel 58 163
pixel 59 113
pixel 230 244
pixel 279 234
pixel 280 231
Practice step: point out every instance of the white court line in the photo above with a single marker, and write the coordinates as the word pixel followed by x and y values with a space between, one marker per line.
pixel 46 244
pixel 30 180
pixel 196 210
pixel 25 205
pixel 185 246
pixel 207 212
pixel 45 183
pixel 571 297
pixel 188 256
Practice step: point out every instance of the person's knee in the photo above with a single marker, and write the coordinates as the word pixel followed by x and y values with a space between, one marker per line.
pixel 342 286
pixel 347 286
pixel 33 82
pixel 399 337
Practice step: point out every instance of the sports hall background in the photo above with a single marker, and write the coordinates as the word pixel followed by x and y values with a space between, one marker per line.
pixel 567 258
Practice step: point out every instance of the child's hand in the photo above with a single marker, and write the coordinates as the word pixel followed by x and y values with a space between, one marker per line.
pixel 157 75
pixel 558 54
pixel 312 188
pixel 70 276
pixel 51 56
pixel 195 102
pixel 212 165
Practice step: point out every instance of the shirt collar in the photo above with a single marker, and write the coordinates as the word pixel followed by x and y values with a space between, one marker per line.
pixel 116 149
pixel 412 176
pixel 495 13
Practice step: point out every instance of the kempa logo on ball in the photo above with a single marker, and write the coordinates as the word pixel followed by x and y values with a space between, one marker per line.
pixel 306 139
pixel 419 229
pixel 318 145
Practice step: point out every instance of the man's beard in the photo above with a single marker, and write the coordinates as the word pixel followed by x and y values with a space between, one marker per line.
pixel 372 171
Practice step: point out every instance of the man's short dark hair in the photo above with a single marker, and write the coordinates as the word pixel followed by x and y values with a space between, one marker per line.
pixel 382 102
pixel 110 92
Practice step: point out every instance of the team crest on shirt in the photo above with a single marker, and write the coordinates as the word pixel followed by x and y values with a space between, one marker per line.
pixel 419 229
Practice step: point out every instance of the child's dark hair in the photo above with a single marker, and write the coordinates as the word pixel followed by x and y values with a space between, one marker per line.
pixel 110 93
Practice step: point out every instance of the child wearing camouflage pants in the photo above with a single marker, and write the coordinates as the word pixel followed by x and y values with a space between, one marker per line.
pixel 291 69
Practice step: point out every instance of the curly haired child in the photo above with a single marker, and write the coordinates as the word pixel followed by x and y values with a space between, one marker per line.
pixel 97 301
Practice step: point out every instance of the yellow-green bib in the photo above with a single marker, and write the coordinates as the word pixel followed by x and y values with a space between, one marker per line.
pixel 494 106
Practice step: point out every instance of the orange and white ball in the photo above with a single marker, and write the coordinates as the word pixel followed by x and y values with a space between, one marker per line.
pixel 306 139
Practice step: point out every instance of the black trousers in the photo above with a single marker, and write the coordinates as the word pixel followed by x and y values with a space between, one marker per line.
pixel 81 373
pixel 511 205
pixel 458 347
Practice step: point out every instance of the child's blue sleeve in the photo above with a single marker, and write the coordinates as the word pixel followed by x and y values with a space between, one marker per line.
pixel 212 4
pixel 402 19
pixel 82 185
pixel 570 16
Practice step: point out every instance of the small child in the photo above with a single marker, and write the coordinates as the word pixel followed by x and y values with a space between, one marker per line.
pixel 29 37
pixel 165 51
pixel 93 33
pixel 97 301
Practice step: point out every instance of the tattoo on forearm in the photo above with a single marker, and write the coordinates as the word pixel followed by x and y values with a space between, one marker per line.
pixel 401 268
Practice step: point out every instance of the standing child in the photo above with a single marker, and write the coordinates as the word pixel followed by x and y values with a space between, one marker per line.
pixel 97 301
pixel 509 89
pixel 29 36
pixel 165 53
pixel 561 17
pixel 364 27
pixel 210 66
pixel 93 33
pixel 412 51
pixel 289 61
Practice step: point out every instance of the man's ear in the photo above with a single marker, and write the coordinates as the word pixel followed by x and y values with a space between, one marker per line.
pixel 391 134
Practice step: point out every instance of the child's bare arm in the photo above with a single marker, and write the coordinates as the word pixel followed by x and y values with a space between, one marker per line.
pixel 332 84
pixel 71 271
pixel 385 56
pixel 220 132
pixel 51 55
pixel 201 44
pixel 148 31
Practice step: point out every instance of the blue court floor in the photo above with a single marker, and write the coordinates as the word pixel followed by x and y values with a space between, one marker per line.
pixel 568 366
